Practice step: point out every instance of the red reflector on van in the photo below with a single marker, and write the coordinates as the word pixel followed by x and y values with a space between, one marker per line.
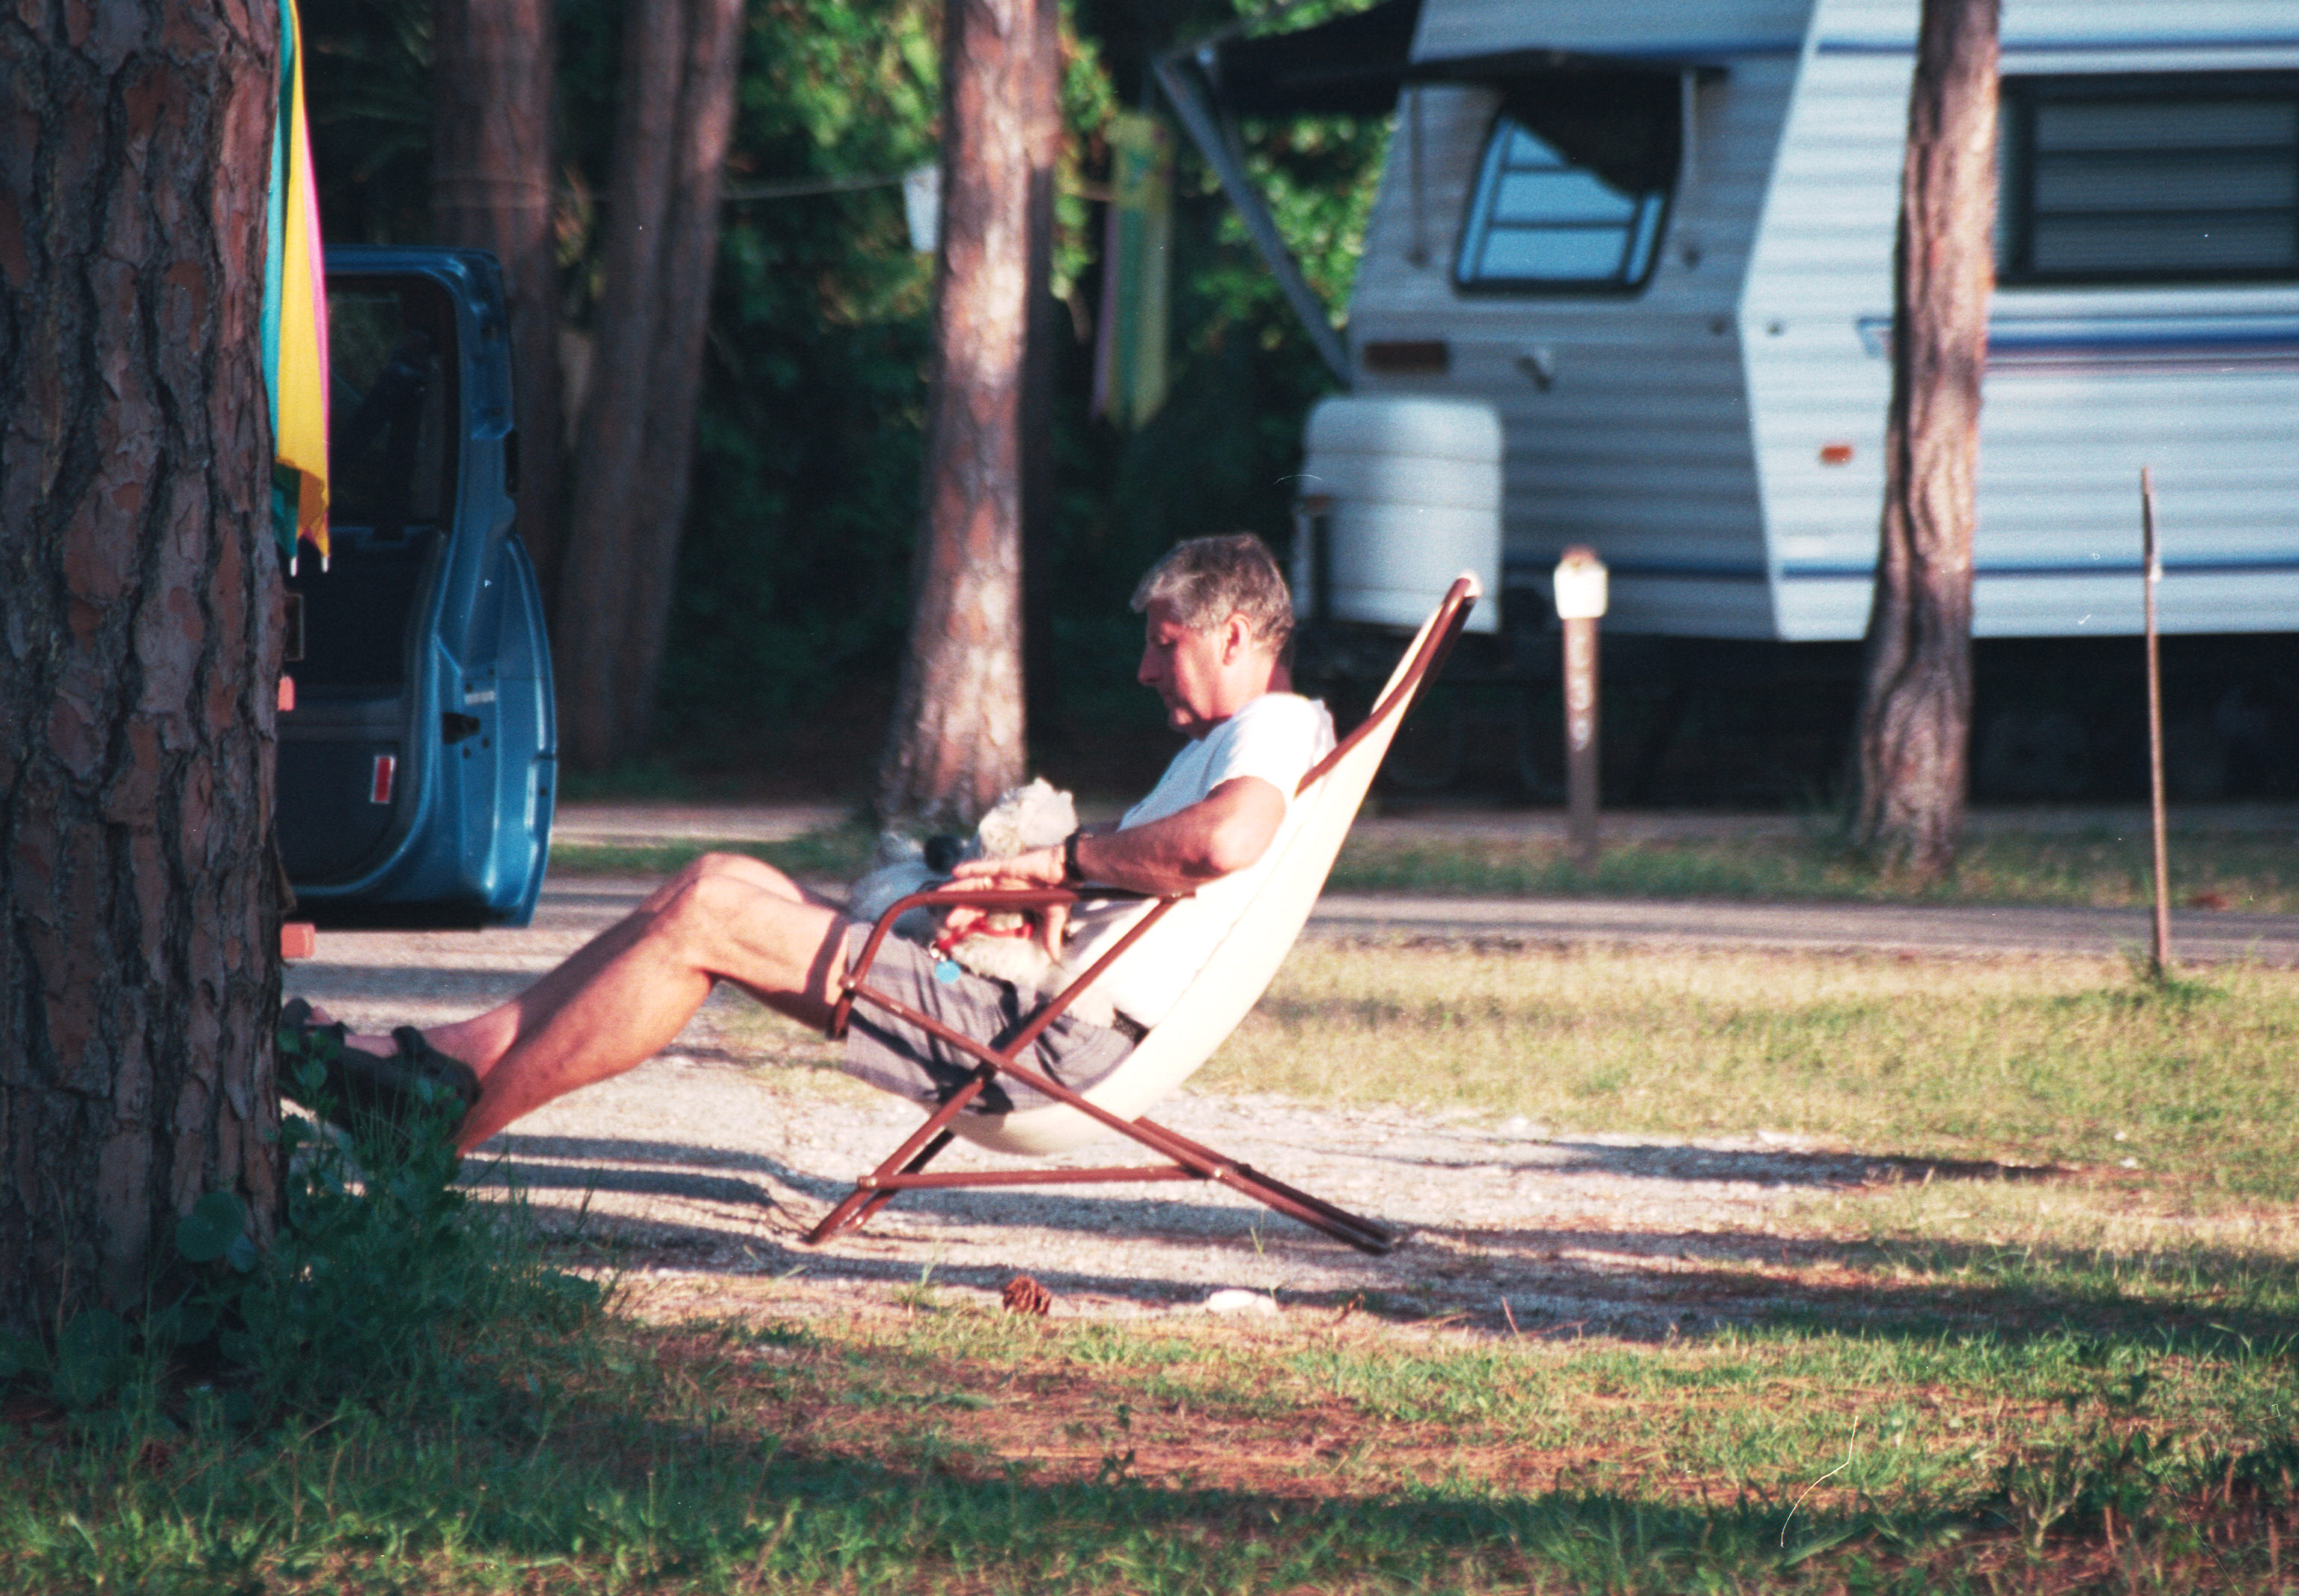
pixel 387 766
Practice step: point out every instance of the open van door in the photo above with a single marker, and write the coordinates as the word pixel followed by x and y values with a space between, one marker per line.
pixel 418 761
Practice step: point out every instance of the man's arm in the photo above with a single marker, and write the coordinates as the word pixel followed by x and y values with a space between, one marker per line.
pixel 1227 829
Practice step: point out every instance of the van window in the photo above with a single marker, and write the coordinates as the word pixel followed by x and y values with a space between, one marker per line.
pixel 2177 177
pixel 394 417
pixel 392 406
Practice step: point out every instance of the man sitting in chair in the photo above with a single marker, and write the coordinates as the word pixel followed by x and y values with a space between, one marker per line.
pixel 1218 618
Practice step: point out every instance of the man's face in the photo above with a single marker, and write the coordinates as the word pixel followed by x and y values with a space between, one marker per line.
pixel 1189 671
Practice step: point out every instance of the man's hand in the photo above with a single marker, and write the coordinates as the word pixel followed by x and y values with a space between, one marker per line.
pixel 1041 867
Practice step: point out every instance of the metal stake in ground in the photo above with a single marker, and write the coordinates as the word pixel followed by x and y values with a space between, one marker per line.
pixel 1580 599
pixel 2153 557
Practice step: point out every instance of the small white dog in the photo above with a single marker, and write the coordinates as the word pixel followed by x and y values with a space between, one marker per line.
pixel 1005 947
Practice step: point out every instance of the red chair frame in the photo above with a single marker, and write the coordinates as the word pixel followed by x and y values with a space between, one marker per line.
pixel 905 1170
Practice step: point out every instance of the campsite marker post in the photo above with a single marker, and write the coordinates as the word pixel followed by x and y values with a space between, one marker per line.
pixel 2152 555
pixel 1580 602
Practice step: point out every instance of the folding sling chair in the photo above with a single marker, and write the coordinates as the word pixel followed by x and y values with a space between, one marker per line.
pixel 1219 995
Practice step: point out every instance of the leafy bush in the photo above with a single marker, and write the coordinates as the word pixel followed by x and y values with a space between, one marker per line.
pixel 383 1285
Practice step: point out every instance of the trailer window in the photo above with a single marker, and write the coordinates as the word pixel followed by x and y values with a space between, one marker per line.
pixel 1540 220
pixel 2187 177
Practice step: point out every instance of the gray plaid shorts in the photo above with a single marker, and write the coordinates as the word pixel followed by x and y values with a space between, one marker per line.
pixel 895 1055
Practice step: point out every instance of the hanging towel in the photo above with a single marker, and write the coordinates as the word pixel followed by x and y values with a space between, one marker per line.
pixel 295 315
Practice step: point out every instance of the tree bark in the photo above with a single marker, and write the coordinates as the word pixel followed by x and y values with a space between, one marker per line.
pixel 956 738
pixel 632 471
pixel 1910 752
pixel 139 605
pixel 494 63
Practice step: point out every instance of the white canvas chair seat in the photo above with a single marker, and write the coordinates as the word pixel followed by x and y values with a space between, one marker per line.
pixel 1221 994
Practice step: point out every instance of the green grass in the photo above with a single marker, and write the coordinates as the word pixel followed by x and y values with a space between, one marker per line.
pixel 959 1450
pixel 2226 869
pixel 2074 1384
pixel 834 855
pixel 2236 869
pixel 2024 1061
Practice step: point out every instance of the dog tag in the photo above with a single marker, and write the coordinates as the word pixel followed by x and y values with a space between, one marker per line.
pixel 946 971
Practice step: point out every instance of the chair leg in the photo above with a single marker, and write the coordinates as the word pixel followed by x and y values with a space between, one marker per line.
pixel 1339 1223
pixel 1359 1232
pixel 926 1155
pixel 914 1155
pixel 1189 1160
pixel 869 1196
pixel 1191 1163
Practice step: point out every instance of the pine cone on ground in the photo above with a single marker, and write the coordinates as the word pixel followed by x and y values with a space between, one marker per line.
pixel 1024 1295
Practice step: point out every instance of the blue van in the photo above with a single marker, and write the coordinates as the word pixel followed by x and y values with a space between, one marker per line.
pixel 418 765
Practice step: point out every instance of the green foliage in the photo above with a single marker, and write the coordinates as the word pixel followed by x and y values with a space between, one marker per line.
pixel 91 1359
pixel 795 573
pixel 367 80
pixel 380 1284
pixel 796 569
pixel 383 1270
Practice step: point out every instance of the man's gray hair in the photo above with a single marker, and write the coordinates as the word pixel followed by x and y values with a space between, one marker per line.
pixel 1209 580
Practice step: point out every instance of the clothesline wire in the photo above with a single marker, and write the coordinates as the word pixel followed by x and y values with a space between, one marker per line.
pixel 808 187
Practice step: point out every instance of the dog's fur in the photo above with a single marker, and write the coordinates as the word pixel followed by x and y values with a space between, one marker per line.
pixel 1032 816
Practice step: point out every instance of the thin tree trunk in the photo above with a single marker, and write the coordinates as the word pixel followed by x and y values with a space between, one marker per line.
pixel 139 643
pixel 593 584
pixel 494 63
pixel 1912 748
pixel 638 423
pixel 1047 323
pixel 956 738
pixel 690 245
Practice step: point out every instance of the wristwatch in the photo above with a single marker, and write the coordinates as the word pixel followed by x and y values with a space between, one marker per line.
pixel 1072 876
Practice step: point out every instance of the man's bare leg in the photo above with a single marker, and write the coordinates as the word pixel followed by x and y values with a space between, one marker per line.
pixel 482 1039
pixel 627 993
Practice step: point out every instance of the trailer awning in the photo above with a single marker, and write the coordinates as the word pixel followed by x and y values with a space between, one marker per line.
pixel 1616 114
pixel 1622 116
pixel 1350 66
pixel 1355 65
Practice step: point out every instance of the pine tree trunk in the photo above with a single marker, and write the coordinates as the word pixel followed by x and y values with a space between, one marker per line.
pixel 1912 748
pixel 637 435
pixel 956 738
pixel 690 245
pixel 493 64
pixel 1047 323
pixel 139 602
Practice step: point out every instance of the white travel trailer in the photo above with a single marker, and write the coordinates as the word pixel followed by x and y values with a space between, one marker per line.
pixel 1656 237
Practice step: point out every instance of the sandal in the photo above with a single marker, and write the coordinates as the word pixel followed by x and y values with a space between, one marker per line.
pixel 297 1028
pixel 351 1083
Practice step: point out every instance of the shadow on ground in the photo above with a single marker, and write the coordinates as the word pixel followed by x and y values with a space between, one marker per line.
pixel 1570 1278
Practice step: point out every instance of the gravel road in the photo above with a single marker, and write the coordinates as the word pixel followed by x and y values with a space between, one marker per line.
pixel 713 1158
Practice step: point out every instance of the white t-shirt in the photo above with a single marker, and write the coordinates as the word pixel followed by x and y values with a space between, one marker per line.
pixel 1277 738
